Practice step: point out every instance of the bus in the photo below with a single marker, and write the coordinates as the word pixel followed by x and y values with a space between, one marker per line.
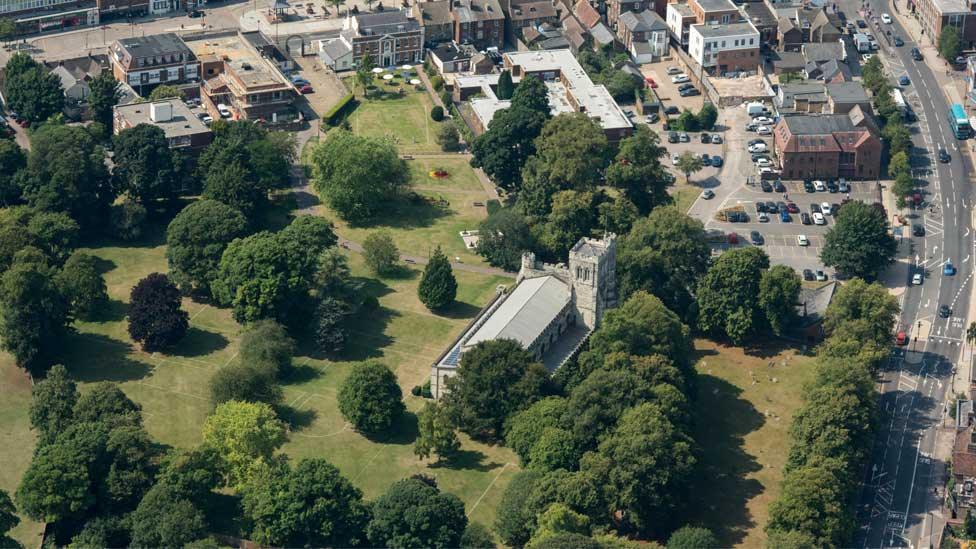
pixel 959 122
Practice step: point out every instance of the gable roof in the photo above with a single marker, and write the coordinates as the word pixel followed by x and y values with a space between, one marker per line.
pixel 821 53
pixel 602 34
pixel 645 21
pixel 526 312
pixel 812 303
pixel 435 13
pixel 586 13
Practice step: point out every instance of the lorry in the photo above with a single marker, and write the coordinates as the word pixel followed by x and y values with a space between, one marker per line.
pixel 862 43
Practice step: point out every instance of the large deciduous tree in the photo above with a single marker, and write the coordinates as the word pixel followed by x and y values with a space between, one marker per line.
pixel 413 513
pixel 436 433
pixel 165 519
pixel 573 150
pixel 437 288
pixel 503 237
pixel 156 318
pixel 82 286
pixel 145 167
pixel 34 93
pixel 196 240
pixel 950 44
pixel 728 295
pixel 813 502
pixel 52 403
pixel 243 434
pixel 380 252
pixel 859 243
pixel 33 316
pixel 779 289
pixel 105 94
pixel 637 171
pixel 13 160
pixel 523 430
pixel 643 326
pixel 573 215
pixel 370 397
pixel 494 380
pixel 357 175
pixel 868 304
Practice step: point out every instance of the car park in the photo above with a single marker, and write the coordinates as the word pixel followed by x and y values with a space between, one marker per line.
pixel 792 208
pixel 716 161
pixel 784 216
pixel 760 206
pixel 885 18
pixel 820 186
pixel 779 187
pixel 707 194
pixel 821 276
pixel 918 230
pixel 807 274
pixel 917 279
pixel 680 78
pixel 944 156
pixel 756 238
pixel 814 208
pixel 825 208
pixel 805 218
pixel 903 80
pixel 801 240
pixel 945 311
pixel 771 207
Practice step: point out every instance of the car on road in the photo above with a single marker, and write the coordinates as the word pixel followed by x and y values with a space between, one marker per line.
pixel 784 216
pixel 808 186
pixel 948 269
pixel 917 279
pixel 801 240
pixel 683 137
pixel 821 276
pixel 671 109
pixel 861 24
pixel 707 194
pixel 716 139
pixel 916 55
pixel 918 230
pixel 885 18
pixel 779 187
pixel 716 161
pixel 757 148
pixel 680 78
pixel 807 274
pixel 898 41
pixel 765 186
pixel 756 238
pixel 762 217
pixel 673 70
pixel 820 186
pixel 672 137
pixel 825 208
pixel 764 130
pixel 818 219
pixel 945 311
pixel 944 156
pixel 805 218
pixel 903 80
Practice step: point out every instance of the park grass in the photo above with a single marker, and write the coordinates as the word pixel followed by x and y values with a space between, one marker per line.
pixel 746 402
pixel 684 196
pixel 404 119
pixel 172 387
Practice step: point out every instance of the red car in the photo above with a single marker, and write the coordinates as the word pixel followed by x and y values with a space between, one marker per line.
pixel 307 88
pixel 650 81
pixel 901 338
pixel 792 208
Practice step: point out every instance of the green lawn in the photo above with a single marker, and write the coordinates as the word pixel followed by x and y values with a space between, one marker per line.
pixel 743 436
pixel 172 387
pixel 684 196
pixel 405 119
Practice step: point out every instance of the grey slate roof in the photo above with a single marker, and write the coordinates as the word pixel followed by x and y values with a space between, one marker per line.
pixel 526 312
pixel 645 21
pixel 715 5
pixel 602 34
pixel 812 303
pixel 336 49
pixel 385 22
pixel 818 125
pixel 821 53
pixel 469 11
pixel 847 92
pixel 156 45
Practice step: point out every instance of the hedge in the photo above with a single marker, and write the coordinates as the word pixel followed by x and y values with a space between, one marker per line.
pixel 340 110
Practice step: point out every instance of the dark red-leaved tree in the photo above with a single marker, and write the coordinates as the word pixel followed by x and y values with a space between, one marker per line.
pixel 155 317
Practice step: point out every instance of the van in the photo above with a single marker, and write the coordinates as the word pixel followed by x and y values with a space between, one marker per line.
pixel 224 110
pixel 755 109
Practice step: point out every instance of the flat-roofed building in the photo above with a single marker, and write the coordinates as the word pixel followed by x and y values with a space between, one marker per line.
pixel 183 128
pixel 725 48
pixel 680 18
pixel 936 15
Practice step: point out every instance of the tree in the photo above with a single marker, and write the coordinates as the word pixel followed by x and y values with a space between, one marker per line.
pixel 193 473
pixel 370 397
pixel 559 519
pixel 56 484
pixel 52 402
pixel 233 184
pixel 8 29
pixel 165 519
pixel 105 94
pixel 689 163
pixel 622 86
pixel 364 73
pixel 859 243
pixel 82 286
pixel 106 403
pixel 8 519
pixel 329 329
pixel 477 536
pixel 812 502
pixel 969 526
pixel 165 91
pixel 412 513
pixel 616 215
pixel 898 136
pixel 267 342
pixel 437 113
pixel 514 520
pixel 243 434
pixel 596 405
pixel 664 254
pixel 66 172
pixel 555 449
pixel 652 462
pixel 871 304
pixel 380 252
pixel 132 472
pixel 144 165
pixel 448 137
pixel 688 121
pixel 54 233
pixel 899 164
pixel 103 531
pixel 643 326
pixel 126 219
pixel 903 188
pixel 573 216
pixel 436 433
pixel 950 44
pixel 494 379
pixel 637 170
pixel 574 150
pixel 156 319
pixel 437 288
pixel 728 295
pixel 196 240
pixel 505 86
pixel 503 237
pixel 246 383
pixel 692 537
pixel 707 117
pixel 524 429
pixel 33 316
pixel 35 94
pixel 779 289
pixel 312 505
pixel 357 175
pixel 13 160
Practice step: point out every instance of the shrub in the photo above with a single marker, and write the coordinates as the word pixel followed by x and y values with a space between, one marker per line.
pixel 437 82
pixel 437 113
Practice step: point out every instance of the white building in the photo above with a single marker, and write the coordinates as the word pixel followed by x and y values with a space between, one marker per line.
pixel 726 48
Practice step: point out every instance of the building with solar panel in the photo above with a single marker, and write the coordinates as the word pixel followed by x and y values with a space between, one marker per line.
pixel 551 310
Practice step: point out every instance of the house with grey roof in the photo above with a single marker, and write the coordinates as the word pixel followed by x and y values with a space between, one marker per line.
pixel 844 96
pixel 810 309
pixel 821 53
pixel 644 35
pixel 550 312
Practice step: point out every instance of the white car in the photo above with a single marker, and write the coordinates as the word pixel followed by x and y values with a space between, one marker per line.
pixel 762 217
pixel 764 120
pixel 818 219
pixel 680 78
pixel 866 57
pixel 673 70
pixel 801 240
pixel 885 18
pixel 917 279
pixel 674 158
pixel 764 162
pixel 707 194
pixel 820 186
pixel 758 148
pixel 764 130
pixel 821 276
pixel 765 170
pixel 825 208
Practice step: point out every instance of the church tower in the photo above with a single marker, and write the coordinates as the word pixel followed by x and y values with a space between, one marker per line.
pixel 592 268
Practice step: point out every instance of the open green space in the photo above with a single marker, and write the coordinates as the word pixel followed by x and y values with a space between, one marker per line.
pixel 172 387
pixel 746 400
pixel 684 195
pixel 405 119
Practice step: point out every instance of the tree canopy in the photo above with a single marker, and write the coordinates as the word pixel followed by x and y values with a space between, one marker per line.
pixel 859 243
pixel 156 317
pixel 33 316
pixel 370 397
pixel 244 434
pixel 32 91
pixel 145 167
pixel 105 94
pixel 637 170
pixel 196 240
pixel 503 237
pixel 414 514
pixel 436 433
pixel 728 295
pixel 779 290
pixel 438 287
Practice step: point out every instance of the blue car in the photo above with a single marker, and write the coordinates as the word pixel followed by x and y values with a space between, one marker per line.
pixel 948 269
pixel 904 81
pixel 784 216
pixel 717 161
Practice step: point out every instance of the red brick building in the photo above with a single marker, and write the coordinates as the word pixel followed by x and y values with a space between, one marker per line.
pixel 827 147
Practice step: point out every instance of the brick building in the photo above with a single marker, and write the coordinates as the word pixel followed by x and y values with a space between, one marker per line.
pixel 145 62
pixel 827 147
pixel 392 37
pixel 725 48
pixel 616 8
pixel 936 15
pixel 478 22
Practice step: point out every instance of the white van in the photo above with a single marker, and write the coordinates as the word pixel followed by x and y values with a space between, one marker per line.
pixel 756 109
pixel 224 110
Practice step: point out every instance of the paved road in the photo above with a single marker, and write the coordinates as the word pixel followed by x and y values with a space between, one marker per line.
pixel 899 505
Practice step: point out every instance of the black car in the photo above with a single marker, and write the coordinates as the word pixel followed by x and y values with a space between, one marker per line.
pixel 808 187
pixel 899 42
pixel 757 156
pixel 944 156
pixel 671 110
pixel 944 311
pixel 861 24
pixel 689 92
pixel 760 206
pixel 834 208
pixel 765 186
pixel 672 137
pixel 706 138
pixel 756 237
pixel 805 218
pixel 807 274
pixel 831 187
pixel 815 208
pixel 918 230
pixel 686 86
pixel 772 208
pixel 916 55
pixel 779 187
pixel 195 14
pixel 706 160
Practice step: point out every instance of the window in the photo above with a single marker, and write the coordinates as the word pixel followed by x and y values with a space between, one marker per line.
pixel 751 41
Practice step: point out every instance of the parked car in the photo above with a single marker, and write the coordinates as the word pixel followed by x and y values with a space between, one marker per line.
pixel 805 218
pixel 832 187
pixel 683 137
pixel 944 156
pixel 680 78
pixel 762 217
pixel 195 14
pixel 674 158
pixel 948 269
pixel 716 161
pixel 672 137
pixel 834 208
pixel 671 109
pixel 763 162
pixel 705 138
pixel 771 207
pixel 807 274
pixel 767 170
pixel 820 186
pixel 764 130
pixel 801 240
pixel 821 276
pixel 784 216
pixel 861 24
pixel 650 82
pixel 792 208
pixel 673 70
pixel 898 41
pixel 843 186
pixel 756 237
pixel 760 206
pixel 706 160
pixel 652 118
pixel 917 279
pixel 766 186
pixel 825 208
pixel 716 139
pixel 814 208
pixel 707 194
pixel 757 148
pixel 904 81
pixel 808 186
pixel 307 88
pixel 686 86
pixel 689 92
pixel 866 57
pixel 763 120
pixel 757 141
pixel 818 219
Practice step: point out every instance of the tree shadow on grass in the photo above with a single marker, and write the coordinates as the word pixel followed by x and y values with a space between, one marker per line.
pixel 95 357
pixel 403 431
pixel 458 309
pixel 412 211
pixel 466 460
pixel 113 311
pixel 767 347
pixel 295 418
pixel 721 490
pixel 300 373
pixel 223 513
pixel 103 266
pixel 199 342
